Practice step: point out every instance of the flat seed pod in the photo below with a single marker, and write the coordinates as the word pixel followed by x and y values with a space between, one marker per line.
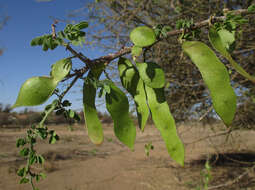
pixel 136 51
pixel 35 91
pixel 60 69
pixel 142 36
pixel 228 38
pixel 164 122
pixel 218 44
pixel 118 107
pixel 215 76
pixel 92 122
pixel 132 82
pixel 151 74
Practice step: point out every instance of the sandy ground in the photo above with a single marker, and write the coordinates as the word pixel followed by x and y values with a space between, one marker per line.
pixel 74 163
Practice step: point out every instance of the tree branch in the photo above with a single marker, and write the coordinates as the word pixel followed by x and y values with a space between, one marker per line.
pixel 126 50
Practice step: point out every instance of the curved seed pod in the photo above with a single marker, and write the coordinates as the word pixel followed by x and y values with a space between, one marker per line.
pixel 92 122
pixel 142 36
pixel 221 47
pixel 152 74
pixel 136 51
pixel 60 69
pixel 215 76
pixel 132 82
pixel 164 122
pixel 118 107
pixel 35 91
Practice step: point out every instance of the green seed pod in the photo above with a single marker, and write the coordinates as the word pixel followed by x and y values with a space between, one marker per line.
pixel 215 76
pixel 118 107
pixel 152 74
pixel 35 91
pixel 221 46
pixel 92 122
pixel 136 51
pixel 164 122
pixel 132 82
pixel 142 36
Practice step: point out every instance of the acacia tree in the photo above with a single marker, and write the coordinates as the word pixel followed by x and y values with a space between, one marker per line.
pixel 143 80
pixel 186 88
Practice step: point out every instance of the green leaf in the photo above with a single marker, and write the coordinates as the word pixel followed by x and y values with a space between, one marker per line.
pixel 43 175
pixel 152 74
pixel 215 76
pixel 35 91
pixel 71 113
pixel 81 25
pixel 218 44
pixel 21 172
pixel 251 8
pixel 24 152
pixel 118 107
pixel 20 142
pixel 61 69
pixel 66 103
pixel 142 36
pixel 24 180
pixel 132 82
pixel 136 51
pixel 32 159
pixel 165 123
pixel 37 41
pixel 40 159
pixel 92 122
pixel 53 137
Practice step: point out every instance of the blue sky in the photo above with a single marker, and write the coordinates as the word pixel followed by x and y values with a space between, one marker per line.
pixel 20 61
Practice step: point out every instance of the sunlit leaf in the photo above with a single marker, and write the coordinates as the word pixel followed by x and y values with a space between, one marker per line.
pixel 215 76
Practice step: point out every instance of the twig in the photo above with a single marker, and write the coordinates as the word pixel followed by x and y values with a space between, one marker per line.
pixel 209 110
pixel 213 135
pixel 238 178
pixel 71 85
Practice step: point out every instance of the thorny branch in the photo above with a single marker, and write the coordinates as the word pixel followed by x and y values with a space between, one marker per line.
pixel 126 50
